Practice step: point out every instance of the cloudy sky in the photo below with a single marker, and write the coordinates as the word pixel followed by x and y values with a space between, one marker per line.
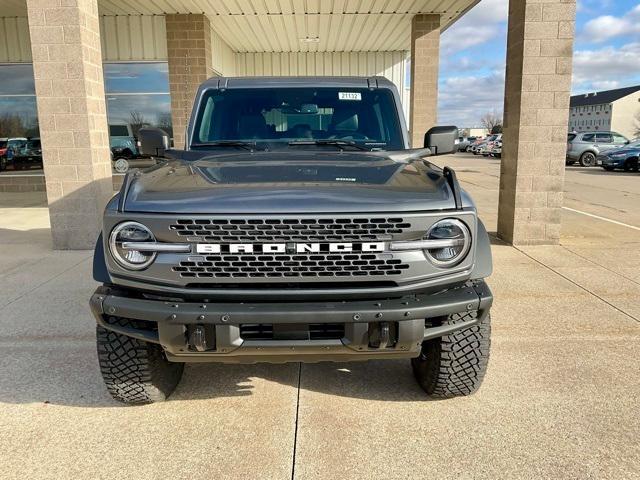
pixel 607 55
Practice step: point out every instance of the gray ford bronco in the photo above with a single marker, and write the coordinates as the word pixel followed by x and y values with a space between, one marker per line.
pixel 296 226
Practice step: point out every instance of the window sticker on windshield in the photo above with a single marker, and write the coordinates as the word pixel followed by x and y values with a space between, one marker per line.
pixel 349 96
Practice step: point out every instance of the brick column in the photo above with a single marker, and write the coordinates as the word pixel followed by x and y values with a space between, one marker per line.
pixel 425 55
pixel 67 64
pixel 538 84
pixel 190 64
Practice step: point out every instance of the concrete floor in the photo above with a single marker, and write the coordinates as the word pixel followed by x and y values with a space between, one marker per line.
pixel 560 399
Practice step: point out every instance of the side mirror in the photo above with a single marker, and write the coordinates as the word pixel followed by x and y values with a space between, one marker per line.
pixel 153 141
pixel 441 140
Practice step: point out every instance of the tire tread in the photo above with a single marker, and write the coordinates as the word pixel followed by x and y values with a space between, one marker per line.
pixel 455 364
pixel 134 371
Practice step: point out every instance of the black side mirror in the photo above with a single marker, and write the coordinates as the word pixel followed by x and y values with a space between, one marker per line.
pixel 441 140
pixel 153 141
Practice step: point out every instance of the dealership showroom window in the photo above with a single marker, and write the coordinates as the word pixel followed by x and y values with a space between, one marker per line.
pixel 137 95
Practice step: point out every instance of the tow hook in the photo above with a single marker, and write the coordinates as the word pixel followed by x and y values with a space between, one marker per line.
pixel 380 335
pixel 384 335
pixel 198 339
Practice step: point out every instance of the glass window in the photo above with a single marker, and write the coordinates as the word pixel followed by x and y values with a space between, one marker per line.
pixel 136 77
pixel 619 139
pixel 18 117
pixel 137 96
pixel 604 138
pixel 17 79
pixel 18 111
pixel 128 114
pixel 282 115
pixel 589 137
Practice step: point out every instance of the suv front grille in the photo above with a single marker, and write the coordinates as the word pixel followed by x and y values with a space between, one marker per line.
pixel 287 266
pixel 290 230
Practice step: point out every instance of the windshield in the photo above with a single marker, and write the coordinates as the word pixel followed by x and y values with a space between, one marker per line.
pixel 121 142
pixel 280 116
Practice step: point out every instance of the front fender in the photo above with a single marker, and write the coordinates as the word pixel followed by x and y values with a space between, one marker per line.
pixel 484 263
pixel 100 272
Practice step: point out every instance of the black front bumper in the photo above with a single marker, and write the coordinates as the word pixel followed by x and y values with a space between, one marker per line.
pixel 168 323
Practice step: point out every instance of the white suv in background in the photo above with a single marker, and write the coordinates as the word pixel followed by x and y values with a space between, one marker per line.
pixel 584 147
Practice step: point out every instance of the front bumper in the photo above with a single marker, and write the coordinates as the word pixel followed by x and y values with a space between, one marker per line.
pixel 171 324
pixel 606 161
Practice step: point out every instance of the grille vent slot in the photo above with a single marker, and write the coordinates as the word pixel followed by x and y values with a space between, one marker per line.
pixel 289 230
pixel 290 266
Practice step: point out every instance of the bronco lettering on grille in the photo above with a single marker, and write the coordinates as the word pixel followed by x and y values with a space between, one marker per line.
pixel 218 248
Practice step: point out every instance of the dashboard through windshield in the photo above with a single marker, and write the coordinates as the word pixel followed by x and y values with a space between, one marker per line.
pixel 299 117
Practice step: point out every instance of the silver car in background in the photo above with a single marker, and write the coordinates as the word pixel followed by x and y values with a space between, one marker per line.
pixel 584 147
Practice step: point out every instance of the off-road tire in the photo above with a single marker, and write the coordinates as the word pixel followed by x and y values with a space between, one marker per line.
pixel 135 371
pixel 454 365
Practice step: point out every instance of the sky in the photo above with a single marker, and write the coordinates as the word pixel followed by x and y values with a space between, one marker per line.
pixel 473 51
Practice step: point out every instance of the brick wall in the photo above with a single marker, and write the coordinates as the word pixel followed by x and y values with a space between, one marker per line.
pixel 425 54
pixel 67 63
pixel 537 90
pixel 190 64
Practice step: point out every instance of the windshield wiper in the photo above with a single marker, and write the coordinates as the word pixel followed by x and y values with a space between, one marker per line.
pixel 338 143
pixel 228 143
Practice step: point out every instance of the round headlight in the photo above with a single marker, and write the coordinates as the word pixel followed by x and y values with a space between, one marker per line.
pixel 460 242
pixel 127 257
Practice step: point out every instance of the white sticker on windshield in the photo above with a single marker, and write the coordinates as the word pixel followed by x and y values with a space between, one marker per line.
pixel 349 96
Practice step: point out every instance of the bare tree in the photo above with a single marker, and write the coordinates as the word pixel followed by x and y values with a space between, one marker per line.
pixel 11 125
pixel 492 121
pixel 637 125
pixel 137 121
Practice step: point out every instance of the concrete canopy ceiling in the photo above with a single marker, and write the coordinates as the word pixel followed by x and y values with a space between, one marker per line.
pixel 294 25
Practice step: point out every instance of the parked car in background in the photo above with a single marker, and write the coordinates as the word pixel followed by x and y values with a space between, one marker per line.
pixel 496 149
pixel 8 148
pixel 123 147
pixel 584 147
pixel 464 143
pixel 625 158
pixel 487 146
pixel 125 154
pixel 473 146
pixel 29 155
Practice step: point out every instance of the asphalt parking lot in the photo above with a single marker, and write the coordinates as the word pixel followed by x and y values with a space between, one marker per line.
pixel 560 399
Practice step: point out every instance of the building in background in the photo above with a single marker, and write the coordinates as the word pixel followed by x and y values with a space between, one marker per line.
pixel 71 72
pixel 611 110
pixel 476 132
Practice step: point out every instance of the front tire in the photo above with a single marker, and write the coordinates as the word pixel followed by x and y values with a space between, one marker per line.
pixel 631 165
pixel 455 364
pixel 135 371
pixel 588 159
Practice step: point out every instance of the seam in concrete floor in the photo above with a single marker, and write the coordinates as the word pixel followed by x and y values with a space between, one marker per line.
pixel 24 294
pixel 295 430
pixel 578 285
pixel 604 267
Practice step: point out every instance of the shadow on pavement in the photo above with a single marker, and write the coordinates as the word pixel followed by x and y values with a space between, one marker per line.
pixel 66 373
pixel 599 171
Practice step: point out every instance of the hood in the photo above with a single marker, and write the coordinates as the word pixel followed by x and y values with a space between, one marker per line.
pixel 623 150
pixel 291 182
